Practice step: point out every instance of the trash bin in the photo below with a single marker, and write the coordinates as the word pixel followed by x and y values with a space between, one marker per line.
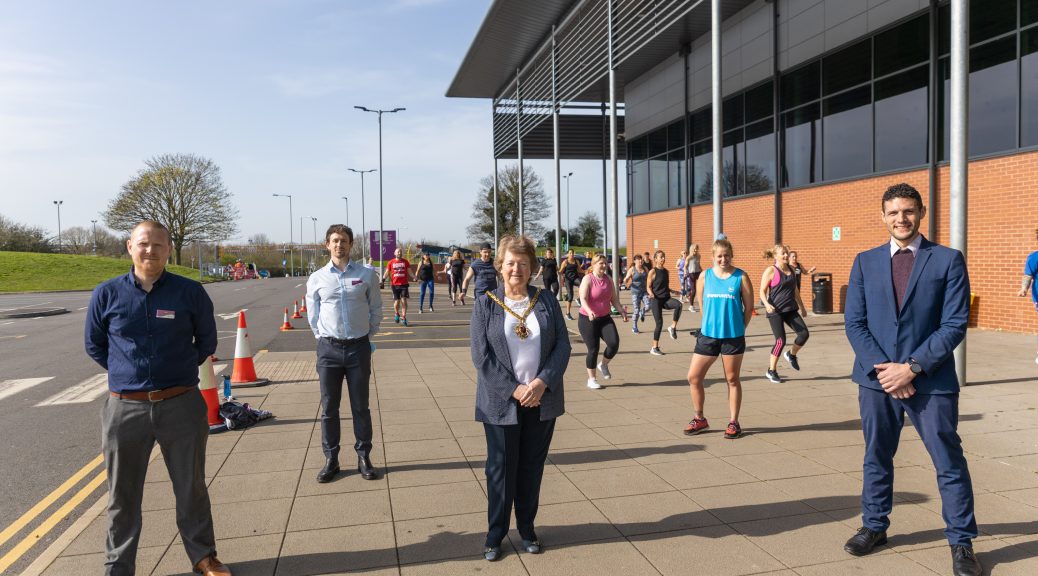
pixel 822 293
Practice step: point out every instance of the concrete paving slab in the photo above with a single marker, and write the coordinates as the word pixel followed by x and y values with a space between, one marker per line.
pixel 426 540
pixel 438 500
pixel 714 550
pixel 332 550
pixel 337 510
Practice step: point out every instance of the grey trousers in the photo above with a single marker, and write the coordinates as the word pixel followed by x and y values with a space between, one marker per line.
pixel 129 431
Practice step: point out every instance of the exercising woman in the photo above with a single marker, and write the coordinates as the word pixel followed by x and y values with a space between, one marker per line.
pixel 635 282
pixel 425 276
pixel 456 274
pixel 550 272
pixel 693 268
pixel 597 293
pixel 658 288
pixel 571 275
pixel 781 297
pixel 726 298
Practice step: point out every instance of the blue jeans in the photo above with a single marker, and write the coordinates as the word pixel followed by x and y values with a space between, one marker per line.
pixel 421 298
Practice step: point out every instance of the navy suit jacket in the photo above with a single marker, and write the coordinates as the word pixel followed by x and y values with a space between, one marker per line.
pixel 932 322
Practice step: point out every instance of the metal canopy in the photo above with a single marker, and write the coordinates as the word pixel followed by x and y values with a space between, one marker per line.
pixel 587 138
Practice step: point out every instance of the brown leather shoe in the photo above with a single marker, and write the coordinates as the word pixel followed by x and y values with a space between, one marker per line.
pixel 210 566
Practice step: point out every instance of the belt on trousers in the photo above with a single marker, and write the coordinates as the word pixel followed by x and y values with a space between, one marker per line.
pixel 347 341
pixel 154 395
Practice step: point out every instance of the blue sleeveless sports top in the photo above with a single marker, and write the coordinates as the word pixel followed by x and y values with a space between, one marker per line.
pixel 722 305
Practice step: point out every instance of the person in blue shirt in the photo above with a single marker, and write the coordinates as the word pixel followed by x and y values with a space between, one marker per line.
pixel 344 308
pixel 726 299
pixel 1030 281
pixel 483 272
pixel 150 330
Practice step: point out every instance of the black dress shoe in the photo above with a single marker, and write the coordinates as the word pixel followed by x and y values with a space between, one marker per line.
pixel 367 471
pixel 964 562
pixel 492 553
pixel 331 468
pixel 864 541
pixel 532 546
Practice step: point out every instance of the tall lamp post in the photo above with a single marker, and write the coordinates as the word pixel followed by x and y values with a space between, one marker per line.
pixel 347 210
pixel 363 226
pixel 567 177
pixel 291 259
pixel 93 225
pixel 381 230
pixel 314 261
pixel 58 203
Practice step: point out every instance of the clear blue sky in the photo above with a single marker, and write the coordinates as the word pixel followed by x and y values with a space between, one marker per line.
pixel 265 88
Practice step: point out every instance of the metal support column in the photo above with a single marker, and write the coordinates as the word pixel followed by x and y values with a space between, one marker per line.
pixel 959 145
pixel 934 118
pixel 519 147
pixel 605 183
pixel 613 152
pixel 497 238
pixel 555 142
pixel 716 103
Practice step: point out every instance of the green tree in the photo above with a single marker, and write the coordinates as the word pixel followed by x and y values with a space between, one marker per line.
pixel 535 206
pixel 589 229
pixel 182 191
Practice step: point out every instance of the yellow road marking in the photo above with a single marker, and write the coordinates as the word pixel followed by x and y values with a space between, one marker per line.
pixel 48 500
pixel 47 525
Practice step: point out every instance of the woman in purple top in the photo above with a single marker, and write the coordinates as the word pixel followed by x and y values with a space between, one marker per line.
pixel 780 292
pixel 597 295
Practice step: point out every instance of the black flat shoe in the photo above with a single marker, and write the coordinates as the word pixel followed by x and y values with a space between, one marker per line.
pixel 331 468
pixel 864 541
pixel 964 562
pixel 532 546
pixel 492 553
pixel 367 471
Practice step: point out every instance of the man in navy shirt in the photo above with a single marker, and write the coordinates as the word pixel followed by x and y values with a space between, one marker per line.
pixel 151 330
pixel 483 271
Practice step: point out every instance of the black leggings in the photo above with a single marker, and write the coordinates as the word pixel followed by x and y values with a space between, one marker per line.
pixel 456 280
pixel 795 321
pixel 591 331
pixel 552 284
pixel 658 305
pixel 570 285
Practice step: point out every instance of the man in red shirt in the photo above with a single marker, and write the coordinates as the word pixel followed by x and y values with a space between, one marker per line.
pixel 398 273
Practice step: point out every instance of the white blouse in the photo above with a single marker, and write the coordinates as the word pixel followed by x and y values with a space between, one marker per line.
pixel 526 354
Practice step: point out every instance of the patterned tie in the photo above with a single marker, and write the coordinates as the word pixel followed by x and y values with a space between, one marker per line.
pixel 900 271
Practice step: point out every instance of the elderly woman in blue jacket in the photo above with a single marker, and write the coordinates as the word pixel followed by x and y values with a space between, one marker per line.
pixel 520 348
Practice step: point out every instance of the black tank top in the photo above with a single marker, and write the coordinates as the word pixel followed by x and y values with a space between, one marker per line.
pixel 549 269
pixel 457 265
pixel 661 284
pixel 783 295
pixel 425 272
pixel 570 270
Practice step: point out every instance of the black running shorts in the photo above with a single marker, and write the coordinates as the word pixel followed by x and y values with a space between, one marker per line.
pixel 400 292
pixel 707 346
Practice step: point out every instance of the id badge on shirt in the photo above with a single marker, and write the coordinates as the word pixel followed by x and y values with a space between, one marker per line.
pixel 166 314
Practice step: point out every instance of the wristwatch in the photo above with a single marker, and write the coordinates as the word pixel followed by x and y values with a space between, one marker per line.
pixel 914 366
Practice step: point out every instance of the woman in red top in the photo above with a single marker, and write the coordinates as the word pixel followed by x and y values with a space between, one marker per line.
pixel 597 294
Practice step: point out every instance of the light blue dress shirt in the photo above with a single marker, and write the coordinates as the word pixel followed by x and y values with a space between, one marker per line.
pixel 343 304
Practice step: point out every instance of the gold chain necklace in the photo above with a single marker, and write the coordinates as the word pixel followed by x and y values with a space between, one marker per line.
pixel 520 329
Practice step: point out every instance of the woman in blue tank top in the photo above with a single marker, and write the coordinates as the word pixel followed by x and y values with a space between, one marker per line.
pixel 726 298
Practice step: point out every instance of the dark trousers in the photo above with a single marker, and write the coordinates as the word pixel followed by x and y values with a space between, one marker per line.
pixel 591 331
pixel 129 431
pixel 552 284
pixel 778 321
pixel 515 465
pixel 337 360
pixel 936 418
pixel 658 305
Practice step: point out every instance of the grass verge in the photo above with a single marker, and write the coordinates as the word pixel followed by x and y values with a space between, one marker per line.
pixel 33 272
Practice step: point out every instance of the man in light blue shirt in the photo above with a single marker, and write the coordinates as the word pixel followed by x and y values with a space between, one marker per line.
pixel 344 307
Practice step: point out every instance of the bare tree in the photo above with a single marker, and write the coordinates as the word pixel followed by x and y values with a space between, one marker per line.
pixel 535 205
pixel 260 239
pixel 77 240
pixel 182 191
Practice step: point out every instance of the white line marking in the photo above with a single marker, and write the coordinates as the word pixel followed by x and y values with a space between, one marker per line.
pixel 86 391
pixel 83 308
pixel 225 337
pixel 298 285
pixel 12 387
pixel 19 336
pixel 231 315
pixel 6 323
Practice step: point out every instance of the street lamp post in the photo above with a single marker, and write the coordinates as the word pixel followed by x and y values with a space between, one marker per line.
pixel 291 258
pixel 58 203
pixel 314 261
pixel 347 210
pixel 363 226
pixel 567 177
pixel 93 225
pixel 381 230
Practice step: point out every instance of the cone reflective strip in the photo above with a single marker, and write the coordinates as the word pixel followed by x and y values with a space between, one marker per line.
pixel 286 326
pixel 207 386
pixel 295 310
pixel 244 369
pixel 302 304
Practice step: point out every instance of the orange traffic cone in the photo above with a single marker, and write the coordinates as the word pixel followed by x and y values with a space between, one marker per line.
pixel 244 373
pixel 286 326
pixel 295 310
pixel 302 304
pixel 207 386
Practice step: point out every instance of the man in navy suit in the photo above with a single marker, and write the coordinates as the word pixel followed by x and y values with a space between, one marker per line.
pixel 906 311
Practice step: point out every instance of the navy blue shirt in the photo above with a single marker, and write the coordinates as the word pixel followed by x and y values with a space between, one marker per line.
pixel 485 275
pixel 150 340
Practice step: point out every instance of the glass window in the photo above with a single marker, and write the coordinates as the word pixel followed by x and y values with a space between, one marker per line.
pixel 901 47
pixel 702 168
pixel 759 172
pixel 1029 87
pixel 640 184
pixel 991 18
pixel 847 134
pixel 901 119
pixel 944 30
pixel 801 85
pixel 658 142
pixel 732 112
pixel 731 163
pixel 676 135
pixel 801 146
pixel 992 97
pixel 759 103
pixel 1028 12
pixel 638 149
pixel 676 168
pixel 658 183
pixel 702 123
pixel 847 68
